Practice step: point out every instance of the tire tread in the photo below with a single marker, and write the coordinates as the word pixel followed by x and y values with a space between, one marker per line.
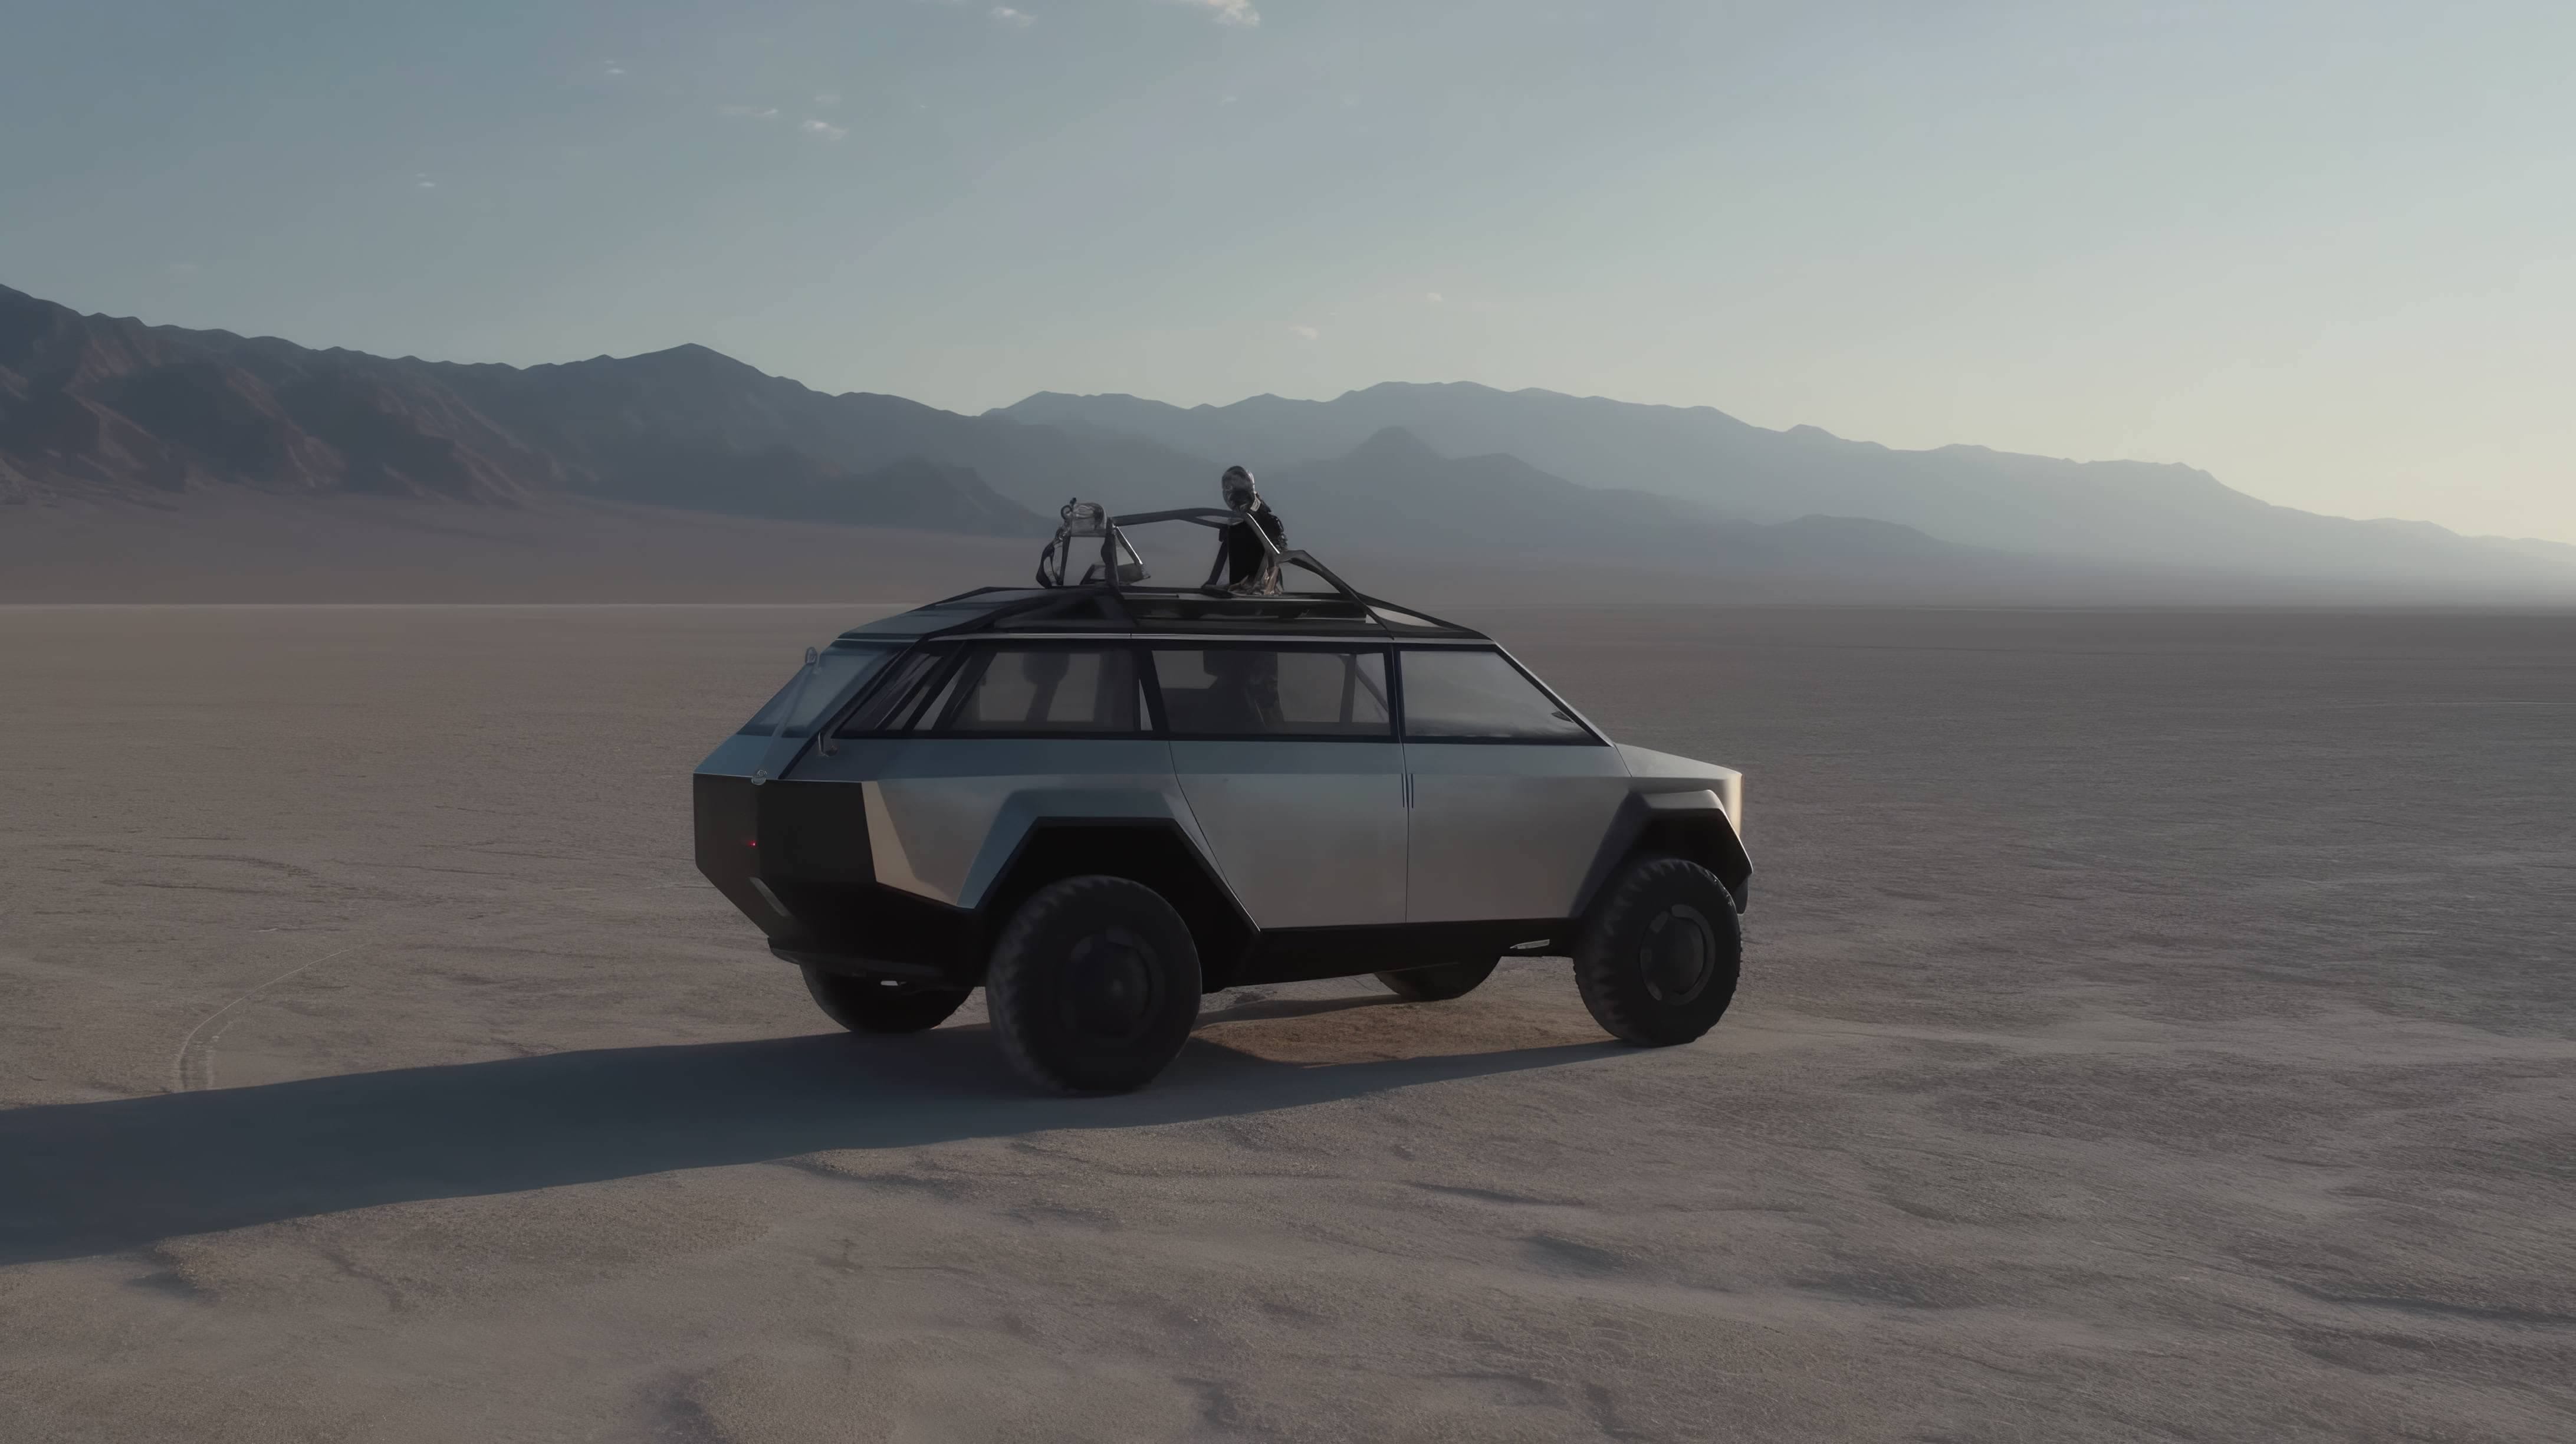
pixel 1606 975
pixel 1006 977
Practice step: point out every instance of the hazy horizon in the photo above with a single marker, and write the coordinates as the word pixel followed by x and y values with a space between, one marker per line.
pixel 2321 252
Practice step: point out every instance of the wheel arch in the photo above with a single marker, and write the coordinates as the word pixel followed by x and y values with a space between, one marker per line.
pixel 1691 825
pixel 1149 850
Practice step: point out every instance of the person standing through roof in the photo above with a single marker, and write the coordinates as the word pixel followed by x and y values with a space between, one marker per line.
pixel 1246 562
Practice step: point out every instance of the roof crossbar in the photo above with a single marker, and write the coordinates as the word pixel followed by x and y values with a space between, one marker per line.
pixel 1220 518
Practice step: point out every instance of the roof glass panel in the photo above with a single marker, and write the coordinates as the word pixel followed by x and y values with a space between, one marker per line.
pixel 1100 609
pixel 943 614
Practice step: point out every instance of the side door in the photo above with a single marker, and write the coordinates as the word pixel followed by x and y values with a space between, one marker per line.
pixel 1288 756
pixel 1512 793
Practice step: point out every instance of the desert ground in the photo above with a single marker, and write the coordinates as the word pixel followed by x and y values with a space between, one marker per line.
pixel 2157 1025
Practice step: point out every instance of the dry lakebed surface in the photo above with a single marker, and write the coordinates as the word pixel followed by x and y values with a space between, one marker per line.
pixel 2156 1025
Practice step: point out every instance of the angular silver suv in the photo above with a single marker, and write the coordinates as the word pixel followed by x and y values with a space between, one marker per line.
pixel 1100 801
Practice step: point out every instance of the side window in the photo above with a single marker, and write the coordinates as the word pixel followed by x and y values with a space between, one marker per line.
pixel 1461 694
pixel 898 699
pixel 836 670
pixel 1247 691
pixel 1076 691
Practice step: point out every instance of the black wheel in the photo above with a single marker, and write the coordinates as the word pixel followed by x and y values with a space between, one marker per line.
pixel 1440 981
pixel 1660 953
pixel 874 1005
pixel 1093 985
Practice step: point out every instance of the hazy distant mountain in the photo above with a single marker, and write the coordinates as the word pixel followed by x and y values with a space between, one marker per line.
pixel 108 406
pixel 1392 489
pixel 2126 512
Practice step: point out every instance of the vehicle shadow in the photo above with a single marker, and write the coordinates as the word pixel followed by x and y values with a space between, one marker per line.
pixel 1275 1008
pixel 87 1178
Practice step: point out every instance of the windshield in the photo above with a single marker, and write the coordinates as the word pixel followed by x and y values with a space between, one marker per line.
pixel 839 670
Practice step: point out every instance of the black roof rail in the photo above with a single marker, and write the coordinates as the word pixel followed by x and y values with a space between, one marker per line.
pixel 969 592
pixel 1373 603
pixel 1047 603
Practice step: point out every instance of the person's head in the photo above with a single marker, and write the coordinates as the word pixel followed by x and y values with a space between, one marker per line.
pixel 1239 491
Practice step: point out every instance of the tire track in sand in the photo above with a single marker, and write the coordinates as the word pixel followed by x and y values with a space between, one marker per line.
pixel 206 1052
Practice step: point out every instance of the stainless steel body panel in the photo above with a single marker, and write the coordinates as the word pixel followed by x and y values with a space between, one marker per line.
pixel 1663 772
pixel 1306 834
pixel 896 845
pixel 1502 830
pixel 944 815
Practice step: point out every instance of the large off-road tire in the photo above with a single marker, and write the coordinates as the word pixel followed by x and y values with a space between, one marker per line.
pixel 869 1005
pixel 1659 955
pixel 1093 985
pixel 1440 981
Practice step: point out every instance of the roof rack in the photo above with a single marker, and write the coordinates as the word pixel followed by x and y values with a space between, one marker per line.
pixel 1220 518
pixel 1105 588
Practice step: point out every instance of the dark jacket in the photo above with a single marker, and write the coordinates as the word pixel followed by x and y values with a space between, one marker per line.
pixel 1242 550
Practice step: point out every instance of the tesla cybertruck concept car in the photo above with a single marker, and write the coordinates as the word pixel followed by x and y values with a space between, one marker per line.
pixel 1100 801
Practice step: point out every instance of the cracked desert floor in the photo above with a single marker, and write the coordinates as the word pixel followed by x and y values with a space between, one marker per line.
pixel 2157 1025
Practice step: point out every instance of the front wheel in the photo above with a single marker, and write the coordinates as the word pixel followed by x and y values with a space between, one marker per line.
pixel 1658 959
pixel 876 1005
pixel 1093 985
pixel 1441 981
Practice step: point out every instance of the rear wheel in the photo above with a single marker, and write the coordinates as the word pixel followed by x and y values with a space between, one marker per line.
pixel 878 1005
pixel 1093 985
pixel 1659 956
pixel 1440 981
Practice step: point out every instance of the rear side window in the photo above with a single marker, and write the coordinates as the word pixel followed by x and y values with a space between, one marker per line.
pixel 1459 694
pixel 897 700
pixel 1044 690
pixel 1239 691
pixel 811 692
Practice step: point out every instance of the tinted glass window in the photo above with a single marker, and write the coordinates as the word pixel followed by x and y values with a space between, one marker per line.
pixel 897 700
pixel 1466 695
pixel 804 700
pixel 1042 689
pixel 1273 692
pixel 1398 617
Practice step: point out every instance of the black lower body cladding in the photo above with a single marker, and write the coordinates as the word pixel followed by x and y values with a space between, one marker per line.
pixel 794 858
pixel 727 825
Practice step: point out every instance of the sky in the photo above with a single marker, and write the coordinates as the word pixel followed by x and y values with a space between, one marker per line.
pixel 2325 251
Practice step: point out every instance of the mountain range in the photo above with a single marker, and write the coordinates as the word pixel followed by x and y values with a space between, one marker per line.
pixel 107 411
pixel 2127 513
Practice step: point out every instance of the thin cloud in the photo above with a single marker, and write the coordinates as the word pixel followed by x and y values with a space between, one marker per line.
pixel 1016 19
pixel 827 97
pixel 825 130
pixel 749 112
pixel 1228 12
pixel 1434 297
pixel 1305 333
pixel 420 181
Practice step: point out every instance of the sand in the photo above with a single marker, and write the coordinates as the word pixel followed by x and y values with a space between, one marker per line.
pixel 2157 1025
